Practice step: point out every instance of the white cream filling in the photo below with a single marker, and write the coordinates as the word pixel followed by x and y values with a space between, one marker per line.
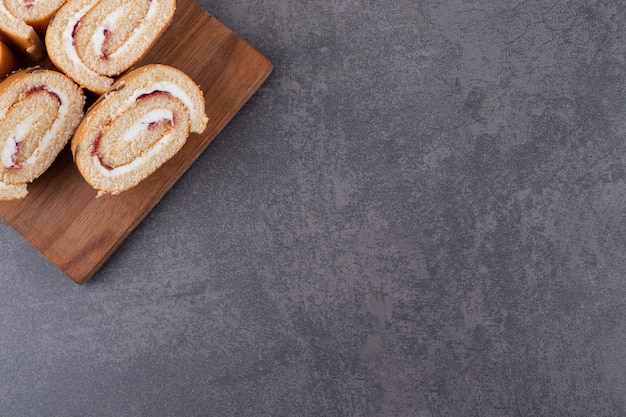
pixel 167 87
pixel 9 149
pixel 154 116
pixel 68 39
pixel 137 162
pixel 17 136
pixel 98 38
pixel 20 131
pixel 130 41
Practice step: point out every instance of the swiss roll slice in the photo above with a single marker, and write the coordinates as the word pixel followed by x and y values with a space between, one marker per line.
pixel 39 112
pixel 135 127
pixel 94 40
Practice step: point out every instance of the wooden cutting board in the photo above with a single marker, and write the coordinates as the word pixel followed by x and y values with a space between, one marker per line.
pixel 61 216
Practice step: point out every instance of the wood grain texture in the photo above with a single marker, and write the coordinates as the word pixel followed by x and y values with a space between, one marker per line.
pixel 61 216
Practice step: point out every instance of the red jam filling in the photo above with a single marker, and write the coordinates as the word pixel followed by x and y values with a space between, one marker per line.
pixel 95 151
pixel 39 88
pixel 152 94
pixel 105 44
pixel 16 166
pixel 156 93
pixel 153 125
pixel 74 31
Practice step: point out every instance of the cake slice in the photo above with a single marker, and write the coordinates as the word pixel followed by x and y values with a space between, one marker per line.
pixel 39 111
pixel 92 41
pixel 35 13
pixel 20 34
pixel 139 124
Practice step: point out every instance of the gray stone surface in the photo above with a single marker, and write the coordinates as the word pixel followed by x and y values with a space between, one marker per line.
pixel 421 213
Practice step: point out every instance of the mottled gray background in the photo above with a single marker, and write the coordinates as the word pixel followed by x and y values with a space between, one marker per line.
pixel 421 213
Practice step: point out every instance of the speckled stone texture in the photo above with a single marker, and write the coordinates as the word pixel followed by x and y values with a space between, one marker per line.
pixel 421 213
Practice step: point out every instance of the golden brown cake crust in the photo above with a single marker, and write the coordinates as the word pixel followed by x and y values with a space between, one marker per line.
pixel 9 62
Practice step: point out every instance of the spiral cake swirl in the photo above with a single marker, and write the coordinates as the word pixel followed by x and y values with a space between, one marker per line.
pixel 139 124
pixel 39 111
pixel 92 41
